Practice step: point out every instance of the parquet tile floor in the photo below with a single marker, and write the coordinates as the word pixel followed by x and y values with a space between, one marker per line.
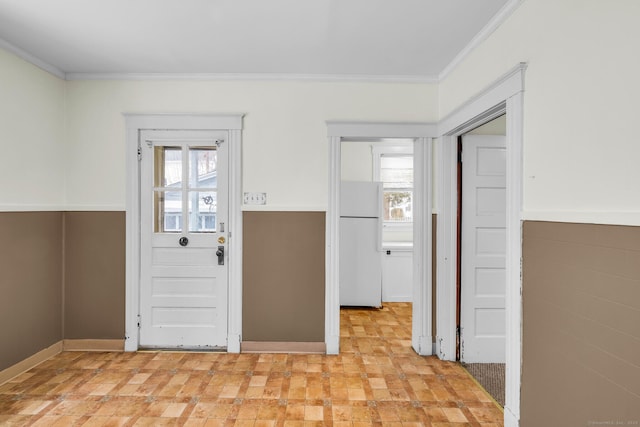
pixel 377 380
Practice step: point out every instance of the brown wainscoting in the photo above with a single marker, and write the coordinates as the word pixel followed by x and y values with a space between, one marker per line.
pixel 283 276
pixel 581 324
pixel 94 275
pixel 283 347
pixel 30 284
pixel 93 345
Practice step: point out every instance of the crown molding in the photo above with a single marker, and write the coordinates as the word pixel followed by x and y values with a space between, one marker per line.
pixel 486 31
pixel 329 78
pixel 52 69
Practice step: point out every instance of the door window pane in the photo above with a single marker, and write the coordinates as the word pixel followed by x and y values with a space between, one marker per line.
pixel 203 167
pixel 167 167
pixel 202 211
pixel 167 212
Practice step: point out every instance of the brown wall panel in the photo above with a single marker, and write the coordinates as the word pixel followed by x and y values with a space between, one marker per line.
pixel 283 276
pixel 581 324
pixel 30 284
pixel 95 275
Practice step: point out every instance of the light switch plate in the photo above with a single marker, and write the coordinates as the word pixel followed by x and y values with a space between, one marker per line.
pixel 255 198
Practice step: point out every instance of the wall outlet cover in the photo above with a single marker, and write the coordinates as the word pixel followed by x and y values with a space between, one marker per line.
pixel 255 198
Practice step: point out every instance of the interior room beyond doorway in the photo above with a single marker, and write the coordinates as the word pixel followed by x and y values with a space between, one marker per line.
pixel 389 161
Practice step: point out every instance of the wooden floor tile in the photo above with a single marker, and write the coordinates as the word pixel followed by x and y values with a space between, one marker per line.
pixel 377 379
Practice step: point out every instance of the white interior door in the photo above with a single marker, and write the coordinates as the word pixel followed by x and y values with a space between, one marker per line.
pixel 184 211
pixel 483 279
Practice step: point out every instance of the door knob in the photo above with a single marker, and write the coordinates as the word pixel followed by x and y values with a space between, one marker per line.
pixel 220 255
pixel 183 241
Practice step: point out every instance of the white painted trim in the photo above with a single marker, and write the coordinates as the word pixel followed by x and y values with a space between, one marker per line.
pixel 482 107
pixel 282 208
pixel 135 122
pixel 421 133
pixel 282 77
pixel 332 255
pixel 421 337
pixel 505 12
pixel 31 208
pixel 609 218
pixel 513 294
pixel 43 65
pixel 381 130
pixel 132 238
pixel 446 241
pixel 510 420
pixel 30 362
pixel 227 121
pixel 96 208
pixel 505 95
pixel 234 324
pixel 61 208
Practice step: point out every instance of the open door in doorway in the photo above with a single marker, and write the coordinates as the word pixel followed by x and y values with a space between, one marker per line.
pixel 482 231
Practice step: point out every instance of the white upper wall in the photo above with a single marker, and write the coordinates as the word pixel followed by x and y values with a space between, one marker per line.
pixel 285 149
pixel 31 137
pixel 581 145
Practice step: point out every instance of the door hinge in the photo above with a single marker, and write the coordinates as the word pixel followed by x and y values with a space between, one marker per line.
pixel 460 156
pixel 139 153
pixel 139 321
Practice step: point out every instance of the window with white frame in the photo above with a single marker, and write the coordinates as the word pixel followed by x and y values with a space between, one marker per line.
pixel 393 166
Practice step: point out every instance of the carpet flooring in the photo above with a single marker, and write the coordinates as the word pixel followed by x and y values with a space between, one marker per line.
pixel 490 376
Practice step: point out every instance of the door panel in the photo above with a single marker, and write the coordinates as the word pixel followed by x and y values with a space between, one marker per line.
pixel 184 204
pixel 483 280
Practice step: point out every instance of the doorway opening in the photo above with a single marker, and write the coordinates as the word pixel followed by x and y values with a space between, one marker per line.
pixel 420 136
pixel 503 97
pixel 481 252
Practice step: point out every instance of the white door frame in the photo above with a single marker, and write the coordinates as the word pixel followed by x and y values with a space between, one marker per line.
pixel 422 134
pixel 503 96
pixel 232 123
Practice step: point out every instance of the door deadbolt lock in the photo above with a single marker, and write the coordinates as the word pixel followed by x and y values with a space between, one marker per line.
pixel 221 240
pixel 220 254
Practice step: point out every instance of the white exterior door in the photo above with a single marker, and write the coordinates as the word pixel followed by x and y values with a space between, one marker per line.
pixel 184 214
pixel 483 279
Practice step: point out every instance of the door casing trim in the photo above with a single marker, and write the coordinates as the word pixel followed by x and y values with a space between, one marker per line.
pixel 505 95
pixel 422 134
pixel 232 123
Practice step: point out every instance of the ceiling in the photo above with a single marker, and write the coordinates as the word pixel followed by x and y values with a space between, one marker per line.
pixel 393 39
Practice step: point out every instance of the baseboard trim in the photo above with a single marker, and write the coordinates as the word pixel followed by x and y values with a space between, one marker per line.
pixel 30 362
pixel 282 347
pixel 93 345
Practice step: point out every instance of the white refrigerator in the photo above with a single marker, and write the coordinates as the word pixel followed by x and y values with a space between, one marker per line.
pixel 360 244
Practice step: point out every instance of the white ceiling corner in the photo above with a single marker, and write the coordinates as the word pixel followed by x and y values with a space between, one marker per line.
pixel 414 41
